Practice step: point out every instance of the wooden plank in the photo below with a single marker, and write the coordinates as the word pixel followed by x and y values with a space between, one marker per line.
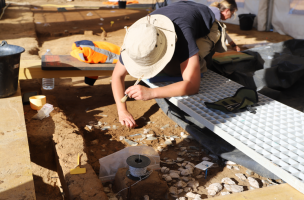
pixel 68 62
pixel 276 192
pixel 16 179
pixel 30 69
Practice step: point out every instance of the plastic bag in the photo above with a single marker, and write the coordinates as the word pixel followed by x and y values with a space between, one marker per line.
pixel 44 112
pixel 110 164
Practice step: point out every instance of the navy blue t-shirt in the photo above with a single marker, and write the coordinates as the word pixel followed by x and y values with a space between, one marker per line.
pixel 191 21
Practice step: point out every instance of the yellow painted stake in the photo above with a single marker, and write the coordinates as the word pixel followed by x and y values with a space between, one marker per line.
pixel 78 170
pixel 112 22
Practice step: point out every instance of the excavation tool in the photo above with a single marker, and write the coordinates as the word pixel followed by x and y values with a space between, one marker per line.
pixel 77 169
pixel 124 99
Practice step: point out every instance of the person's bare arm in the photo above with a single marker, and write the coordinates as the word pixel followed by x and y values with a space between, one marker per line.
pixel 118 89
pixel 190 85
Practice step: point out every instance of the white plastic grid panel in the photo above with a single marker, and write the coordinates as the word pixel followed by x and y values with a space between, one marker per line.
pixel 273 137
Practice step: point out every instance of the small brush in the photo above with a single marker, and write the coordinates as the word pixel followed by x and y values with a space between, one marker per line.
pixel 124 99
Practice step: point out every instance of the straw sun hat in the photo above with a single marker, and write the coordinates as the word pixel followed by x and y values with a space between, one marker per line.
pixel 148 46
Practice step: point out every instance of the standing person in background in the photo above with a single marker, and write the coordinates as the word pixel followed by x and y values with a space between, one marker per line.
pixel 167 41
pixel 222 11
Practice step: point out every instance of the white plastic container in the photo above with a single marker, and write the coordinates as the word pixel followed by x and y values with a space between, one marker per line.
pixel 48 83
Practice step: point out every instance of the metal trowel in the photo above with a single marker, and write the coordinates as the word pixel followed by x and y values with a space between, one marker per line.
pixel 77 169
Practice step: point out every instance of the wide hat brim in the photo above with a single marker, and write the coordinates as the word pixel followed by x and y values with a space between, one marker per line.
pixel 164 24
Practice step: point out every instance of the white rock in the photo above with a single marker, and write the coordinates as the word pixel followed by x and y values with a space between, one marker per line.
pixel 206 158
pixel 214 188
pixel 150 135
pixel 174 175
pixel 199 176
pixel 184 164
pixel 251 188
pixel 234 188
pixel 168 178
pixel 121 137
pixel 179 159
pixel 229 167
pixel 185 172
pixel 146 131
pixel 225 193
pixel 241 176
pixel 184 178
pixel 173 190
pixel 178 164
pixel 194 196
pixel 230 163
pixel 190 163
pixel 175 171
pixel 181 184
pixel 187 189
pixel 228 181
pixel 253 182
pixel 146 197
pixel 164 170
pixel 193 184
pixel 236 168
pixel 181 198
pixel 180 191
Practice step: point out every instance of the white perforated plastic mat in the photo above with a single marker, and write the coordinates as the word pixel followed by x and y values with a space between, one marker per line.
pixel 273 137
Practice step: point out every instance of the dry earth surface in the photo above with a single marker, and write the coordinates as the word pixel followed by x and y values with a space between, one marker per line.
pixel 37 28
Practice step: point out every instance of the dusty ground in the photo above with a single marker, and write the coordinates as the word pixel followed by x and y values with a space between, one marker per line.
pixel 39 28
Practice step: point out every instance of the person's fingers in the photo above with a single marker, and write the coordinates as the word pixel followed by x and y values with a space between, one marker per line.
pixel 132 93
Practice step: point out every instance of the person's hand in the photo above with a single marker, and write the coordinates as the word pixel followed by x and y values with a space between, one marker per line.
pixel 236 48
pixel 126 119
pixel 139 92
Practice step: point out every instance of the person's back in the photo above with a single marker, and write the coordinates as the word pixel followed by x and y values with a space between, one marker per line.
pixel 191 21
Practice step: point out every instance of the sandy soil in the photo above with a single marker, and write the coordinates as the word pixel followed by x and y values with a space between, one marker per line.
pixel 45 28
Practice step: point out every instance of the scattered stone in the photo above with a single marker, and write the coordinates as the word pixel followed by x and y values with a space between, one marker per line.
pixel 164 170
pixel 179 159
pixel 241 176
pixel 199 176
pixel 174 175
pixel 236 168
pixel 181 198
pixel 194 196
pixel 253 182
pixel 146 131
pixel 234 188
pixel 228 181
pixel 225 193
pixel 251 188
pixel 206 158
pixel 164 127
pixel 89 127
pixel 249 172
pixel 146 197
pixel 151 138
pixel 181 184
pixel 150 135
pixel 174 171
pixel 178 164
pixel 185 172
pixel 180 191
pixel 96 126
pixel 173 190
pixel 229 167
pixel 131 143
pixel 168 178
pixel 187 189
pixel 193 184
pixel 214 188
pixel 184 178
pixel 105 128
pixel 135 135
pixel 114 127
pixel 168 142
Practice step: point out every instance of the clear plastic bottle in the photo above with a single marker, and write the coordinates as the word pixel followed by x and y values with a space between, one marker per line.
pixel 48 83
